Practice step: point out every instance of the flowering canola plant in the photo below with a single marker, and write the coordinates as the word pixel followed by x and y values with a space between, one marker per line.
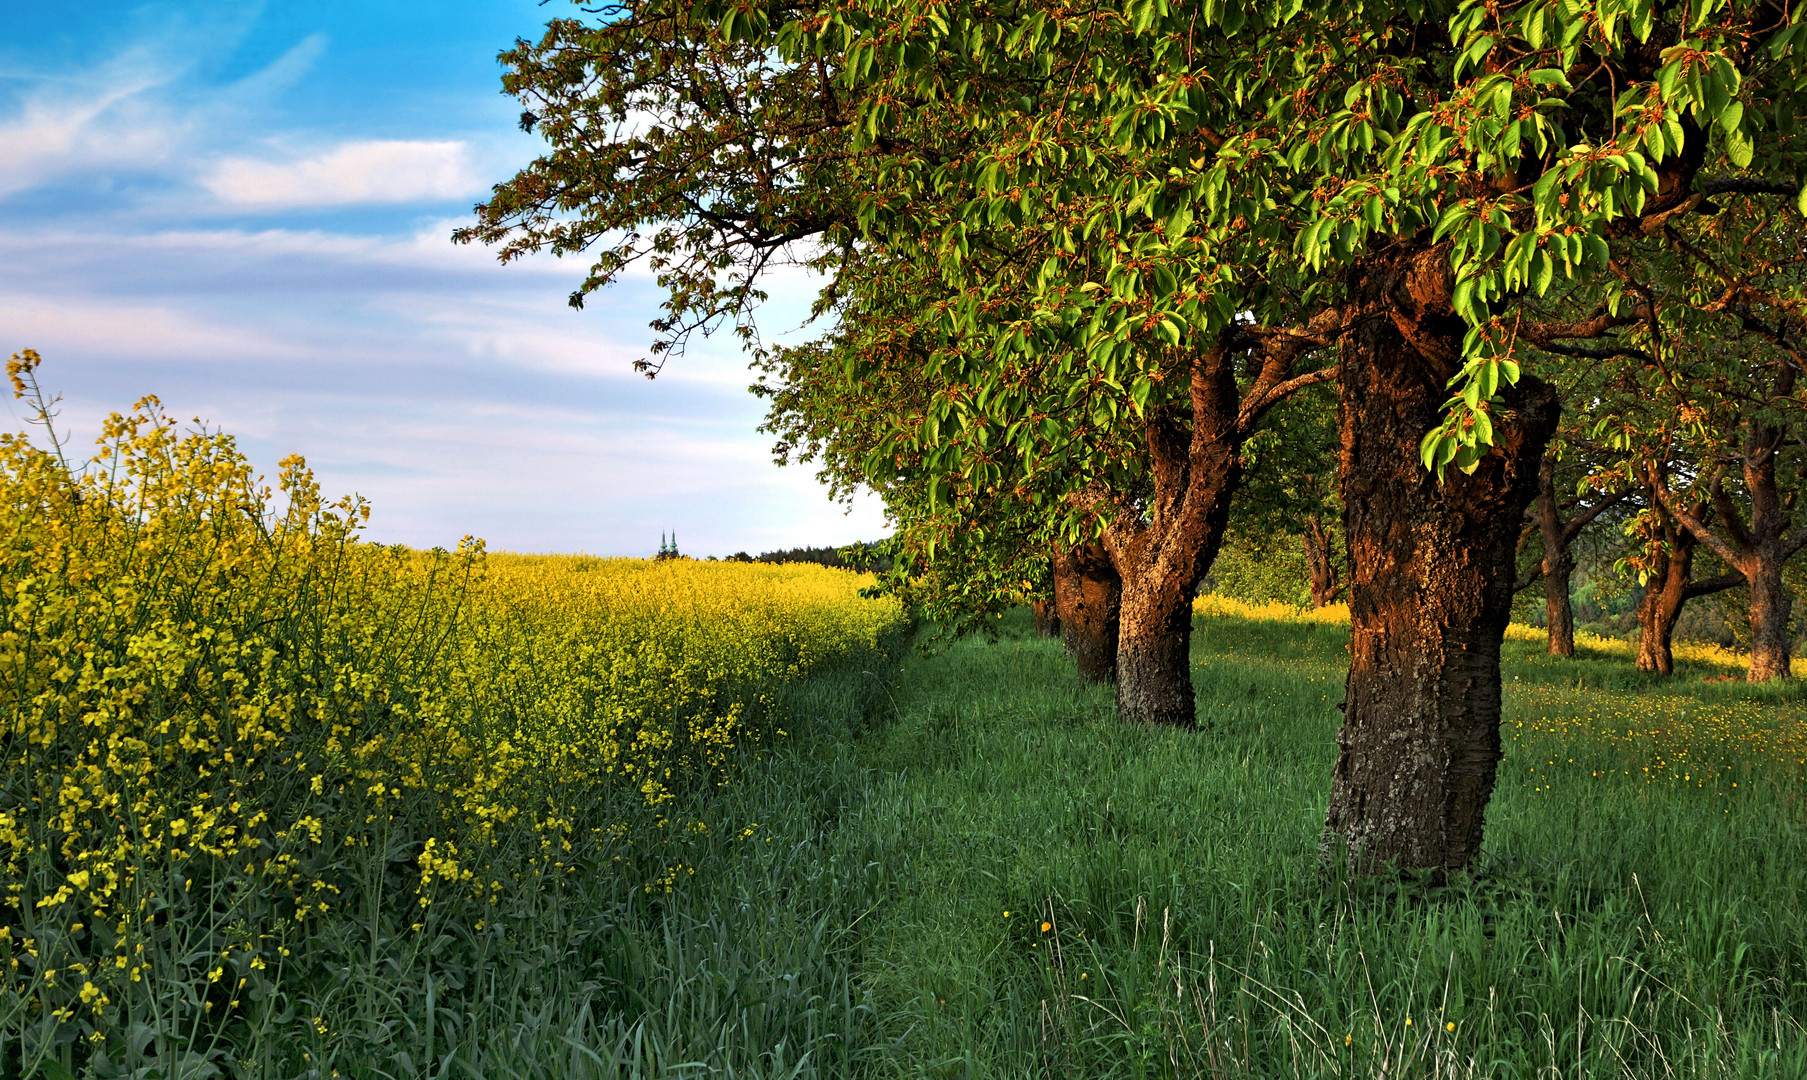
pixel 221 714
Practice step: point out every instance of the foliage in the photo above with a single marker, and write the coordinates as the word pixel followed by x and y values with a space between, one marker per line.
pixel 1267 568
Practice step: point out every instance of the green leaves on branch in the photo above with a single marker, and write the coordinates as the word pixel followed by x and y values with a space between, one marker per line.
pixel 1466 433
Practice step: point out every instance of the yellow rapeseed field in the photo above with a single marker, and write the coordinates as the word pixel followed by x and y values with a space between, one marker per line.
pixel 224 715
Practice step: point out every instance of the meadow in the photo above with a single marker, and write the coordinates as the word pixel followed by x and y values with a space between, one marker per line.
pixel 276 801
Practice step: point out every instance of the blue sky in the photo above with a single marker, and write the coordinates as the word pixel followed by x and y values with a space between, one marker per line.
pixel 244 209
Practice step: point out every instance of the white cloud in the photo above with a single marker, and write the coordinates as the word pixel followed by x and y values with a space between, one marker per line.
pixel 100 120
pixel 364 171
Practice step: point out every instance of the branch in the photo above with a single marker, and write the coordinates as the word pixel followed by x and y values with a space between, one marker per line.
pixel 1541 334
pixel 1728 514
pixel 1532 577
pixel 1737 185
pixel 1586 353
pixel 1692 523
pixel 1580 521
pixel 1794 543
pixel 1712 585
pixel 1281 347
pixel 1251 410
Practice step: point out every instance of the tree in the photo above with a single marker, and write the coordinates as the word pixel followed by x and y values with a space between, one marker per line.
pixel 1556 563
pixel 1117 203
pixel 1666 569
pixel 1719 392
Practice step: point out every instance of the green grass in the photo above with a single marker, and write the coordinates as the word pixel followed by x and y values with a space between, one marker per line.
pixel 842 911
pixel 1616 925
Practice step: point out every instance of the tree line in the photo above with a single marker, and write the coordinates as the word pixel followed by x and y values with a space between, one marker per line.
pixel 1097 279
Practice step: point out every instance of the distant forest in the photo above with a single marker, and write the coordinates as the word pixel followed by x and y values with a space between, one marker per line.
pixel 851 557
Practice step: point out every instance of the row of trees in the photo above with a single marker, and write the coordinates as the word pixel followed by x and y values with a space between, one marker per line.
pixel 1080 261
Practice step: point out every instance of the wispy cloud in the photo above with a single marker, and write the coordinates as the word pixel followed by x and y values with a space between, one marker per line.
pixel 362 171
pixel 103 119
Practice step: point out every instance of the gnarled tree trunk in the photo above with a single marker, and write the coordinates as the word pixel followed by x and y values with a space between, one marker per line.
pixel 1164 549
pixel 1668 587
pixel 1163 561
pixel 1431 576
pixel 1087 598
pixel 1320 563
pixel 1757 551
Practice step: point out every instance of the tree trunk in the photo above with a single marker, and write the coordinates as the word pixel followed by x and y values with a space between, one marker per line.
pixel 1558 563
pixel 1162 565
pixel 1431 576
pixel 1195 459
pixel 1758 550
pixel 1087 600
pixel 1770 603
pixel 1665 591
pixel 1320 562
pixel 1047 619
pixel 1669 586
pixel 1154 659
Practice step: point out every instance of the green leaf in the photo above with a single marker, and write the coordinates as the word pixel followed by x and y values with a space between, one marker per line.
pixel 1178 223
pixel 1732 116
pixel 1483 428
pixel 1738 147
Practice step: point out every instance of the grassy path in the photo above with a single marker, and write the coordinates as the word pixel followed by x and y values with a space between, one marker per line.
pixel 1624 922
pixel 969 868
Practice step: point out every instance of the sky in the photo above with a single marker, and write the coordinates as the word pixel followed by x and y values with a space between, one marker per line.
pixel 245 209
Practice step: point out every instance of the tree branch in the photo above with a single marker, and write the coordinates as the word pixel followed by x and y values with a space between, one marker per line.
pixel 1251 410
pixel 1693 524
pixel 1586 353
pixel 1541 334
pixel 1580 521
pixel 1712 585
pixel 1739 185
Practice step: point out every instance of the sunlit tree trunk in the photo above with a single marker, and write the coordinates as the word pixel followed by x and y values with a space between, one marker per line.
pixel 1431 577
pixel 1087 601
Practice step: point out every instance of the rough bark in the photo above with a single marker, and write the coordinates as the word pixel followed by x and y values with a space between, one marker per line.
pixel 1047 619
pixel 1431 576
pixel 1320 562
pixel 1197 467
pixel 1087 598
pixel 1164 549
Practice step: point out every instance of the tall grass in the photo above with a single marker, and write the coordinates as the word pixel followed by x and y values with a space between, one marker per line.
pixel 1167 914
